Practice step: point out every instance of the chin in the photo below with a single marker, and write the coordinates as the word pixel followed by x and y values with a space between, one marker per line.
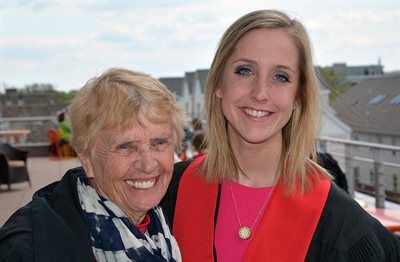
pixel 146 205
pixel 255 139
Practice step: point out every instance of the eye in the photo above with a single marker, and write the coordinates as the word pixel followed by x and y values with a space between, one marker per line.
pixel 282 78
pixel 123 146
pixel 243 71
pixel 160 143
pixel 126 148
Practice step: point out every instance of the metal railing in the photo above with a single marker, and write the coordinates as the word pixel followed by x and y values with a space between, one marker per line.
pixel 37 125
pixel 376 166
pixel 372 165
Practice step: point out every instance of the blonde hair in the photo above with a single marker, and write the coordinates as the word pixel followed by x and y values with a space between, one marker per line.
pixel 114 100
pixel 298 148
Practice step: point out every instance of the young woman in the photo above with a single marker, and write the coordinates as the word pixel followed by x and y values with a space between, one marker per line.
pixel 259 195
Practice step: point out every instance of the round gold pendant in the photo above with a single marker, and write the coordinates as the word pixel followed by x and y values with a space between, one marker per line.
pixel 244 233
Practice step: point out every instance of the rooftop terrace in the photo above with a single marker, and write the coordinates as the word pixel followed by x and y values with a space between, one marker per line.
pixel 42 171
pixel 45 170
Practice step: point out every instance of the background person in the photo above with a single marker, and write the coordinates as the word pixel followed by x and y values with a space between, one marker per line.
pixel 64 132
pixel 64 129
pixel 327 161
pixel 257 195
pixel 199 145
pixel 125 125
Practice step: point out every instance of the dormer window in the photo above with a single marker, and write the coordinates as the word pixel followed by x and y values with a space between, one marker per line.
pixel 378 99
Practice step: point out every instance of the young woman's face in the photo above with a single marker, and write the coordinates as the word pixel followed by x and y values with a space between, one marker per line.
pixel 259 85
pixel 133 168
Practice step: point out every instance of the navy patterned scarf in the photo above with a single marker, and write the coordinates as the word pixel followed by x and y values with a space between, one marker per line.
pixel 114 238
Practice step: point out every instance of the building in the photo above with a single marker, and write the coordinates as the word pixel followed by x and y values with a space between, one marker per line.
pixel 34 111
pixel 351 75
pixel 17 103
pixel 372 110
pixel 189 91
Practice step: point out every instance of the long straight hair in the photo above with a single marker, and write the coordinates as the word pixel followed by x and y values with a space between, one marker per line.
pixel 299 134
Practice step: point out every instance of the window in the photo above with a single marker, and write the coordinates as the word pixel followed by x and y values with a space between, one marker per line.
pixel 377 99
pixel 395 101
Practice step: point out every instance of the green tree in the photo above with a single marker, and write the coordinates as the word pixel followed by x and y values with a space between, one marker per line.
pixel 65 98
pixel 38 88
pixel 333 82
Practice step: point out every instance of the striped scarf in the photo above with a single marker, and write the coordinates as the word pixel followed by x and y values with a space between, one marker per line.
pixel 114 238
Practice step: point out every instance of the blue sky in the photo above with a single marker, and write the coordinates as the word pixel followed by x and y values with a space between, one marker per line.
pixel 67 42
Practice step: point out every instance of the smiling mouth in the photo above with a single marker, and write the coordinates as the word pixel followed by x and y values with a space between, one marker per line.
pixel 256 113
pixel 141 184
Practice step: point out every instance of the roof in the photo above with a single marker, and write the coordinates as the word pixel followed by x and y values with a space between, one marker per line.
pixel 189 77
pixel 202 75
pixel 370 106
pixel 174 84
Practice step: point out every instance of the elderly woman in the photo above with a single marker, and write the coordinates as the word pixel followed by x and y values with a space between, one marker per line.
pixel 125 126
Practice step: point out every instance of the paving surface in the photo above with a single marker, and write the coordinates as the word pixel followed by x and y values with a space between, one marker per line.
pixel 42 171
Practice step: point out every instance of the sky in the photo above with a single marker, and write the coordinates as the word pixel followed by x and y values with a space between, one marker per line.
pixel 65 43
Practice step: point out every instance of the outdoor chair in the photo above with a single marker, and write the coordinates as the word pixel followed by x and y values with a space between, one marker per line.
pixel 13 165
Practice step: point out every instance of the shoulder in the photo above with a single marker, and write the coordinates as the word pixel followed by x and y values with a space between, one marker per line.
pixel 169 200
pixel 179 169
pixel 16 235
pixel 37 222
pixel 347 231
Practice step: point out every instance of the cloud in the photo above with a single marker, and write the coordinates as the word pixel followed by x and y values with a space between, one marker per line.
pixel 66 42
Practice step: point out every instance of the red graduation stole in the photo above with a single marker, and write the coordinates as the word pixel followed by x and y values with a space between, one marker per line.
pixel 283 234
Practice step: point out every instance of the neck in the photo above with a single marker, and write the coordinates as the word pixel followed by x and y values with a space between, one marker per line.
pixel 258 162
pixel 135 217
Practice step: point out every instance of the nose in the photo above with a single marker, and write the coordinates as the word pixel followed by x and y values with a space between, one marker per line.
pixel 259 92
pixel 146 162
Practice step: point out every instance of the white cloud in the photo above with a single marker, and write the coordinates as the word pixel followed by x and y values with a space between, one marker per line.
pixel 66 42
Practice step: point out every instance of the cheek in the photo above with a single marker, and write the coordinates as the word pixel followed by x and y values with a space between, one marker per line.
pixel 166 161
pixel 109 172
pixel 231 94
pixel 284 100
pixel 233 90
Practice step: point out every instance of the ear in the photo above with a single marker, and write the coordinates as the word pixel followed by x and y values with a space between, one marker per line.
pixel 87 165
pixel 296 103
pixel 218 92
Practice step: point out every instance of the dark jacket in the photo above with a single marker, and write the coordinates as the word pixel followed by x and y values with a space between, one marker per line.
pixel 52 227
pixel 345 232
pixel 327 161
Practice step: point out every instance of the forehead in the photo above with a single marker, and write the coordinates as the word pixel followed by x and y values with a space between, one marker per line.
pixel 272 45
pixel 142 128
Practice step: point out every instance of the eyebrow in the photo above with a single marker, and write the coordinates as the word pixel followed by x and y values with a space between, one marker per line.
pixel 254 62
pixel 285 67
pixel 164 135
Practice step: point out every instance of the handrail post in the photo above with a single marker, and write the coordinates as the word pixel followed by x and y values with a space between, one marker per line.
pixel 380 194
pixel 349 170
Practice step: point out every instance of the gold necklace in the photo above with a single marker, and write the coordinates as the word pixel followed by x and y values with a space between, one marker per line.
pixel 246 232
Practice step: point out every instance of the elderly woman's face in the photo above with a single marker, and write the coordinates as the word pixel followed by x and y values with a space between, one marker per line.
pixel 133 168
